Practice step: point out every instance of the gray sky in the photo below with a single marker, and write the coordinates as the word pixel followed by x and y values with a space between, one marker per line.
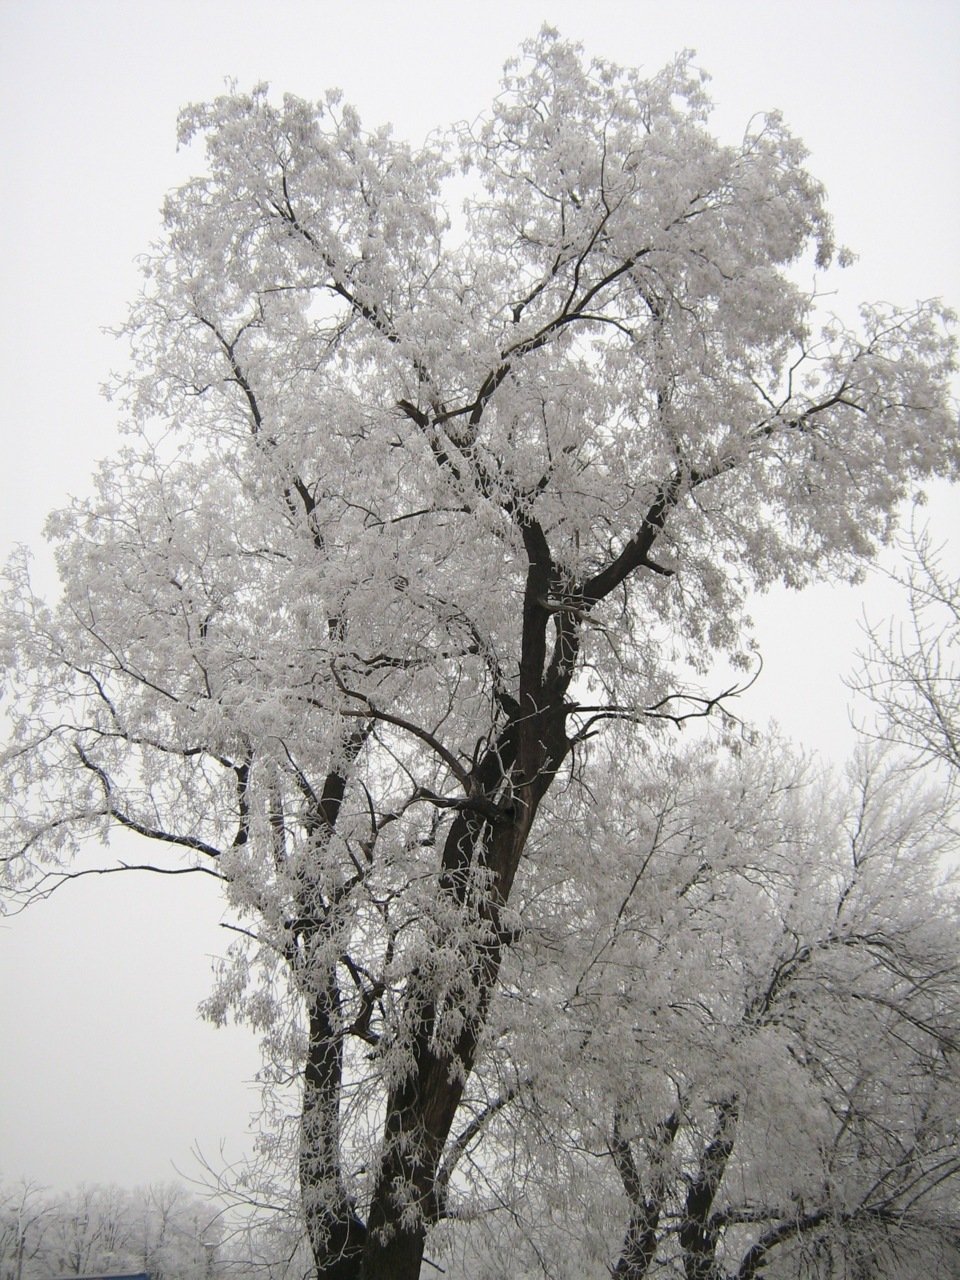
pixel 108 1075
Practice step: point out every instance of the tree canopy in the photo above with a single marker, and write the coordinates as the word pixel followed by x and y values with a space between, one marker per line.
pixel 426 521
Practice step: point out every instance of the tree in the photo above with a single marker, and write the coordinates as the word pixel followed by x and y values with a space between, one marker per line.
pixel 910 672
pixel 162 1230
pixel 24 1221
pixel 739 1055
pixel 412 508
pixel 175 1234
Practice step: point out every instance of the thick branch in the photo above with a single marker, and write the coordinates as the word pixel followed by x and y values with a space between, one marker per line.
pixel 141 828
pixel 698 1233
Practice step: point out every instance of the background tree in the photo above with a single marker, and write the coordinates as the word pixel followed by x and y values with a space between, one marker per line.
pixel 910 671
pixel 738 1056
pixel 175 1233
pixel 24 1219
pixel 163 1230
pixel 410 508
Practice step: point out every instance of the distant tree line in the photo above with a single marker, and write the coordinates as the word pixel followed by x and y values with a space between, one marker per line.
pixel 164 1230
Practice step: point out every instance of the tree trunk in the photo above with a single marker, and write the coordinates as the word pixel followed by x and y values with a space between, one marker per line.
pixel 336 1234
pixel 422 1107
pixel 698 1235
pixel 640 1240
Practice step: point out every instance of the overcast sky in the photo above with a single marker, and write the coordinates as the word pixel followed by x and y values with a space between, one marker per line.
pixel 108 1074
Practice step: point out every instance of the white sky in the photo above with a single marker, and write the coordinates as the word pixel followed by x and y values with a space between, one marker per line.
pixel 107 1074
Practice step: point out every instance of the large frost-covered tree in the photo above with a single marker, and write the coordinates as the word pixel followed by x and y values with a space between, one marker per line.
pixel 910 670
pixel 413 505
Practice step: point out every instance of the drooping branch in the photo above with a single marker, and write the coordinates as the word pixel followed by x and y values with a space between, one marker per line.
pixel 372 712
pixel 757 1257
pixel 133 824
pixel 48 883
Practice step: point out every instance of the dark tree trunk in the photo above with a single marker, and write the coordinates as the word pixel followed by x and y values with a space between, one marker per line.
pixel 421 1109
pixel 698 1234
pixel 488 835
pixel 336 1234
pixel 640 1240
